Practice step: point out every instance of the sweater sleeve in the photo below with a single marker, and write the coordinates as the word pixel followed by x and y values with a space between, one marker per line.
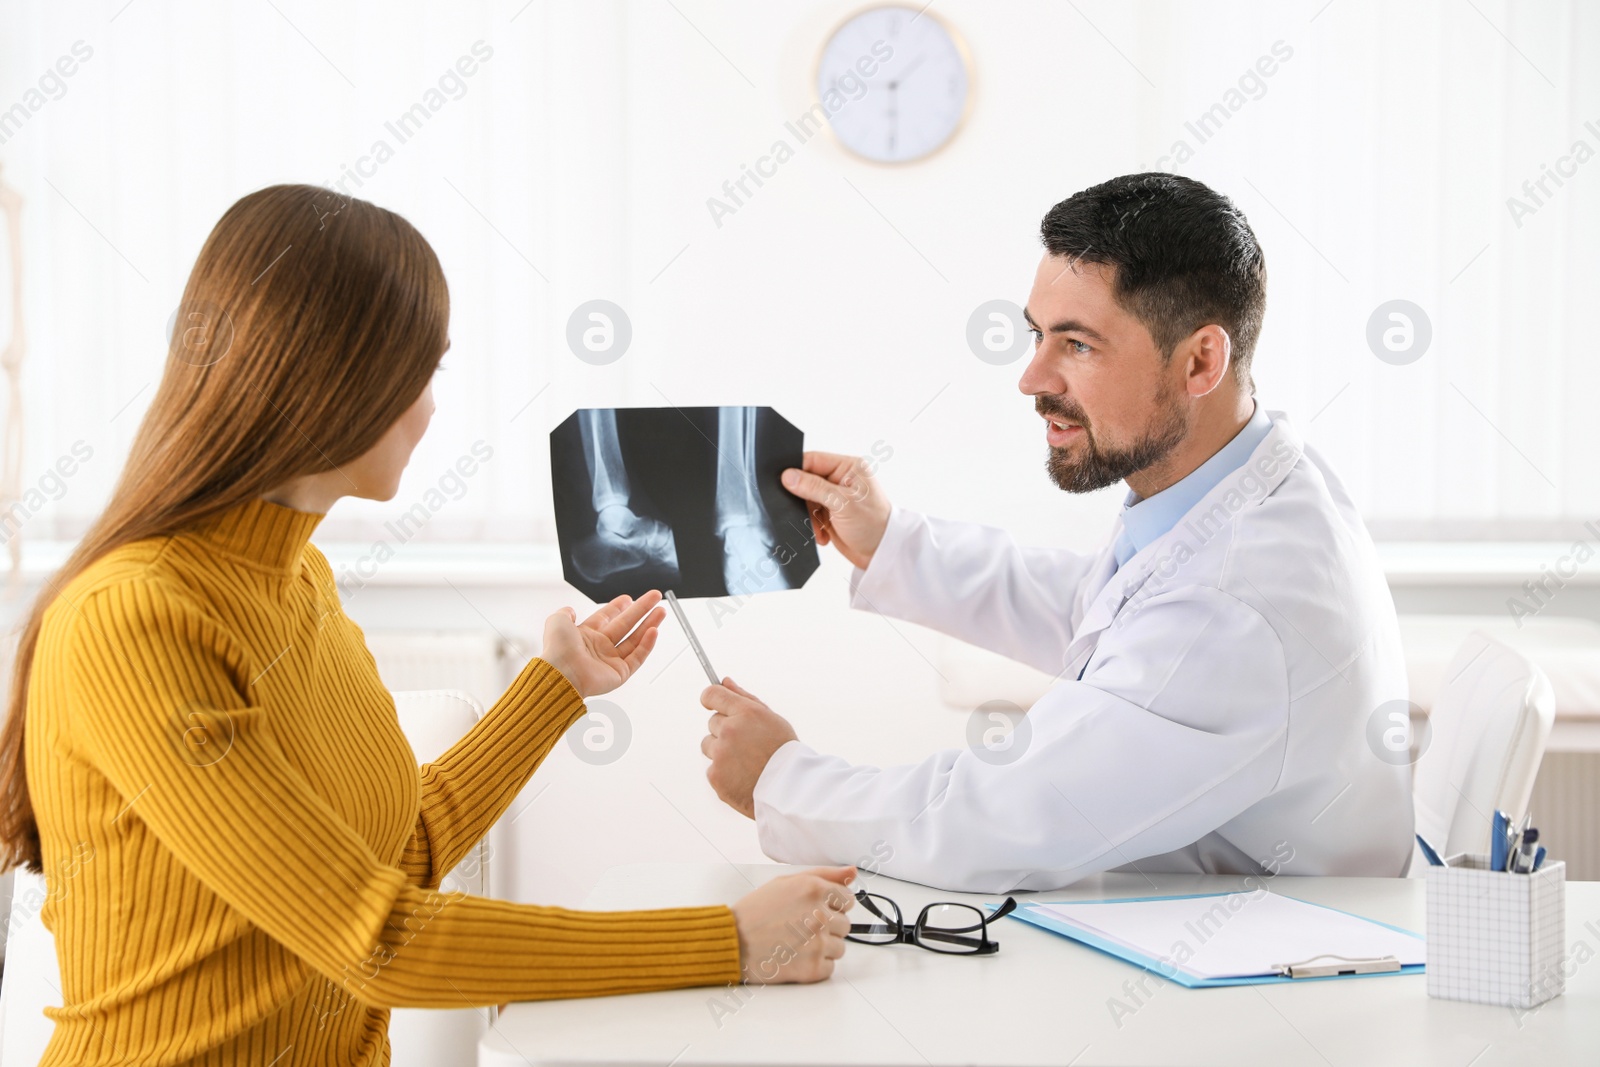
pixel 469 787
pixel 160 704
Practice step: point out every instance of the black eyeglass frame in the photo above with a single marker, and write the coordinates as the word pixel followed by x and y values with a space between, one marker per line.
pixel 919 934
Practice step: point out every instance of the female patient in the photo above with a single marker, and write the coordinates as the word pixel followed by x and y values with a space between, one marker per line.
pixel 242 861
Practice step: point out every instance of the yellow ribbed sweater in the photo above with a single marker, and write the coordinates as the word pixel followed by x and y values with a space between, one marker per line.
pixel 241 857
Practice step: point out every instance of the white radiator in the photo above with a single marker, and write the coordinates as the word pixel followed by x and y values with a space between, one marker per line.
pixel 1566 807
pixel 476 661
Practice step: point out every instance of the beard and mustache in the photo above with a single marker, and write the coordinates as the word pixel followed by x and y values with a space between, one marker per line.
pixel 1102 464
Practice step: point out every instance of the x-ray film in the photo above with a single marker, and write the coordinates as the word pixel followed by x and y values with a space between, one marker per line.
pixel 686 499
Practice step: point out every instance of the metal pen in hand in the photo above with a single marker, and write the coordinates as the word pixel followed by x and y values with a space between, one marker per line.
pixel 694 642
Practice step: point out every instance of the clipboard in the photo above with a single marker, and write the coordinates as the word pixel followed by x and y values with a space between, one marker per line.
pixel 1314 965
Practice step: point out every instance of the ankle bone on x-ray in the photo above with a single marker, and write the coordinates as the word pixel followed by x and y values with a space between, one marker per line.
pixel 622 539
pixel 749 546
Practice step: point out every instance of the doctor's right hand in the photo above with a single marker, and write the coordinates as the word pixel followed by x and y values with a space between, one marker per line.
pixel 792 928
pixel 847 506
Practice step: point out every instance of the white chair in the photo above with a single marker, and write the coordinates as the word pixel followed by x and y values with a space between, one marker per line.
pixel 1490 720
pixel 32 980
pixel 433 720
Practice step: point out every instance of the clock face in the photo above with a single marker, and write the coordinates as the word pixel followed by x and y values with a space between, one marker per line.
pixel 894 83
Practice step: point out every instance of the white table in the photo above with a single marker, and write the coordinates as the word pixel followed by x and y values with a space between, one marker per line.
pixel 1046 1000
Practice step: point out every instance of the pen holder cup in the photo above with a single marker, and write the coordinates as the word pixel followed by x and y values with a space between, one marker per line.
pixel 1495 937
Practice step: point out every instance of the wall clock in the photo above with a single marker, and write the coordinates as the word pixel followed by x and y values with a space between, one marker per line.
pixel 895 82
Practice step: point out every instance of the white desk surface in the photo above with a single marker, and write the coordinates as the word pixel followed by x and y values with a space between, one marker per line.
pixel 1044 999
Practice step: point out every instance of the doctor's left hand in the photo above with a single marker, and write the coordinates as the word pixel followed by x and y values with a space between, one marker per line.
pixel 741 738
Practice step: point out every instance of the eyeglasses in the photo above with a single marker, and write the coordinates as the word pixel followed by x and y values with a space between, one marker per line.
pixel 947 928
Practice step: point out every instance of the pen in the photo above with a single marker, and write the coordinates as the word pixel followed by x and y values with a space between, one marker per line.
pixel 1514 838
pixel 694 642
pixel 1429 853
pixel 1523 864
pixel 1498 825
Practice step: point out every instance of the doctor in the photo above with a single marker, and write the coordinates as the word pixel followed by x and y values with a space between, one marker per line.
pixel 1217 663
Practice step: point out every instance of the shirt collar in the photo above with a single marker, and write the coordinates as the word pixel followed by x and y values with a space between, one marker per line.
pixel 1143 521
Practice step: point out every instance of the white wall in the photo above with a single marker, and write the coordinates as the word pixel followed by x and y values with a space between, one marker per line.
pixel 1378 162
pixel 841 291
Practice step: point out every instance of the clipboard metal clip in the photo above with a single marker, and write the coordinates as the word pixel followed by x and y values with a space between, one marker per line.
pixel 1329 965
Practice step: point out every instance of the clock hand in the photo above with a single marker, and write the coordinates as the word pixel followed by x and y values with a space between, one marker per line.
pixel 894 100
pixel 894 115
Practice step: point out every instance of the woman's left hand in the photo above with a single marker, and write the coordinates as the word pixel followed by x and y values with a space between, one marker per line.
pixel 604 650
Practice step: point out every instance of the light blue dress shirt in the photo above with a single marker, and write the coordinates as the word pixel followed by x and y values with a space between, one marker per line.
pixel 1144 521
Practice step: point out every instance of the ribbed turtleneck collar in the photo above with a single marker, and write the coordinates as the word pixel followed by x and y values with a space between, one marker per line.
pixel 264 533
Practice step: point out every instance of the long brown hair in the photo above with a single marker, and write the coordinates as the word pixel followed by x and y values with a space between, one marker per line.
pixel 310 323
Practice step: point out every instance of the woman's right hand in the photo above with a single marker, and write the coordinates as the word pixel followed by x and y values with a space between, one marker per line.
pixel 601 652
pixel 792 928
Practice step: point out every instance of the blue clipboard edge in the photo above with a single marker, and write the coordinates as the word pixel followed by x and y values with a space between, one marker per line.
pixel 1171 973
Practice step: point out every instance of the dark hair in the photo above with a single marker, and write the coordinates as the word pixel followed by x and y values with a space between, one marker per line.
pixel 1185 257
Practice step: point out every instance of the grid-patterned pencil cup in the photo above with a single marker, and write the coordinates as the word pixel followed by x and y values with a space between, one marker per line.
pixel 1495 937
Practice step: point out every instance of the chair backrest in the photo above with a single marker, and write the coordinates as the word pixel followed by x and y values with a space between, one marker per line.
pixel 432 720
pixel 1487 731
pixel 32 980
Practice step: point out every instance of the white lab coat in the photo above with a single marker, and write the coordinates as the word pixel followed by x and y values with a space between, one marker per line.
pixel 1229 672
